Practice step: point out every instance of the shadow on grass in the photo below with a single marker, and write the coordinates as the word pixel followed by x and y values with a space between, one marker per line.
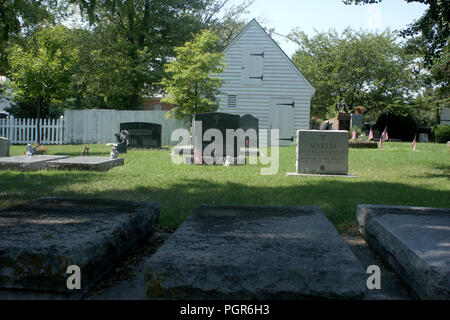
pixel 337 198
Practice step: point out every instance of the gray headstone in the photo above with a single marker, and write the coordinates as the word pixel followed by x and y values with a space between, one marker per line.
pixel 322 152
pixel 27 163
pixel 423 137
pixel 85 163
pixel 255 252
pixel 415 241
pixel 357 120
pixel 41 238
pixel 4 147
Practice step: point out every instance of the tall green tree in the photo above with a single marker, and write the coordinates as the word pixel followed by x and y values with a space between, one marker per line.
pixel 19 16
pixel 41 73
pixel 191 85
pixel 357 68
pixel 432 29
pixel 139 39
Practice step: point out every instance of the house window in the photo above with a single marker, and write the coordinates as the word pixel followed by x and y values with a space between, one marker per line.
pixel 232 101
pixel 157 107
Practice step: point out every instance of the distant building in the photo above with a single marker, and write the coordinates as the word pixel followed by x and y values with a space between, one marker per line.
pixel 155 103
pixel 260 79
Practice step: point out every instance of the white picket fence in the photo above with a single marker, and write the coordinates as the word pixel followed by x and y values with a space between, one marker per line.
pixel 24 131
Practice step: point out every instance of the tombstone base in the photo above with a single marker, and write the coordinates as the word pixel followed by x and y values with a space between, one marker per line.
pixel 320 175
pixel 85 163
pixel 215 160
pixel 27 163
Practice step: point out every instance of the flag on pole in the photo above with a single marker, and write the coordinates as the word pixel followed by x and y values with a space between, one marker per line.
pixel 384 137
pixel 354 134
pixel 370 134
pixel 414 144
pixel 197 154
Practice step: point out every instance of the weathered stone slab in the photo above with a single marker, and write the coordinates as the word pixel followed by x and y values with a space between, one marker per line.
pixel 4 147
pixel 85 163
pixel 255 252
pixel 415 241
pixel 27 163
pixel 322 152
pixel 41 238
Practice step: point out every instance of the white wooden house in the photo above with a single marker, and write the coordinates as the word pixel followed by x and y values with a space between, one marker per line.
pixel 261 80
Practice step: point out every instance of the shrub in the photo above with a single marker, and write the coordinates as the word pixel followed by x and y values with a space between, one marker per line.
pixel 441 133
pixel 402 127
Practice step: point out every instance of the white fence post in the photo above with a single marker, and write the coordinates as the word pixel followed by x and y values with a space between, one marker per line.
pixel 23 131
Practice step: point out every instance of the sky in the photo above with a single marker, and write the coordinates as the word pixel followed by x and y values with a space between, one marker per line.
pixel 323 15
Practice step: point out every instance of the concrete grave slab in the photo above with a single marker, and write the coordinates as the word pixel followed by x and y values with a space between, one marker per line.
pixel 41 238
pixel 255 252
pixel 415 241
pixel 86 163
pixel 27 163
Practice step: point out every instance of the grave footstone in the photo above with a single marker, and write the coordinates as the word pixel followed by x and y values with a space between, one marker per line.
pixel 255 252
pixel 85 163
pixel 42 238
pixel 415 241
pixel 4 147
pixel 27 163
pixel 143 134
pixel 322 152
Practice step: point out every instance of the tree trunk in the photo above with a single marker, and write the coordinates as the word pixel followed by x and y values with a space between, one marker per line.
pixel 38 136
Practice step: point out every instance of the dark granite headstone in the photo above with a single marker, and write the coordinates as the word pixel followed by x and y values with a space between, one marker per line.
pixel 344 121
pixel 216 120
pixel 143 134
pixel 250 122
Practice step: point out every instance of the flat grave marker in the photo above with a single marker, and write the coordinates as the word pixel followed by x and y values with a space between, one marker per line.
pixel 85 163
pixel 255 252
pixel 415 241
pixel 27 163
pixel 41 238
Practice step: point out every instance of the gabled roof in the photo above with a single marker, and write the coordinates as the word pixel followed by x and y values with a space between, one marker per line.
pixel 254 22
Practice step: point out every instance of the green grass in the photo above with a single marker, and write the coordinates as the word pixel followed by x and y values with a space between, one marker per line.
pixel 395 175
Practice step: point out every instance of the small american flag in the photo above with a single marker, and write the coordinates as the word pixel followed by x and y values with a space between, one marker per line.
pixel 384 137
pixel 197 155
pixel 370 134
pixel 414 144
pixel 354 134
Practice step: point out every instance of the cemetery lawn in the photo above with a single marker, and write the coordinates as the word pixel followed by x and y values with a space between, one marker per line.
pixel 394 175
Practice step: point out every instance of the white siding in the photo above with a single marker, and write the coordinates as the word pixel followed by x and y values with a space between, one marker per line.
pixel 281 79
pixel 99 126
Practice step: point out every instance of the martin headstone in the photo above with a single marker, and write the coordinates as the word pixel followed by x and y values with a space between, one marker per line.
pixel 215 120
pixel 143 134
pixel 322 152
pixel 4 147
